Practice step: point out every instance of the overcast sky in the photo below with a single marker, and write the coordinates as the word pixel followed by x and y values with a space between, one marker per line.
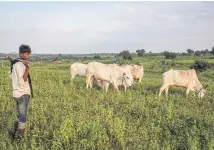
pixel 89 27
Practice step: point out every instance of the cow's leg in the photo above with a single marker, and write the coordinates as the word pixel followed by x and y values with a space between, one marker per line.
pixel 125 88
pixel 194 94
pixel 106 86
pixel 91 81
pixel 161 89
pixel 88 81
pixel 193 91
pixel 140 79
pixel 166 91
pixel 72 77
pixel 115 86
pixel 187 91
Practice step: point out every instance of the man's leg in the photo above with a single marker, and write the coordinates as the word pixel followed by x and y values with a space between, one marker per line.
pixel 12 132
pixel 22 114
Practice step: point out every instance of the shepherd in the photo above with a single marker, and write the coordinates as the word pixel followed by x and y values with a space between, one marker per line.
pixel 22 90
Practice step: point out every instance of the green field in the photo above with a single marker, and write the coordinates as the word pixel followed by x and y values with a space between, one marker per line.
pixel 65 116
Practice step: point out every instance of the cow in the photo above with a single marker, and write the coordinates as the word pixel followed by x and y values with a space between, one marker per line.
pixel 78 69
pixel 108 73
pixel 105 84
pixel 136 71
pixel 183 78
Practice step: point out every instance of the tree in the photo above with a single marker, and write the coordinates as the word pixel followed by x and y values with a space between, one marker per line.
pixel 56 59
pixel 97 57
pixel 189 51
pixel 140 52
pixel 212 52
pixel 125 54
pixel 169 55
pixel 204 51
pixel 197 53
pixel 200 65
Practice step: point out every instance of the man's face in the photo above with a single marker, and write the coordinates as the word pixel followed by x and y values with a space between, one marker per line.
pixel 25 56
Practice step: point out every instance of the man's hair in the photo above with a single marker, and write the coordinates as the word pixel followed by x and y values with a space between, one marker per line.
pixel 24 48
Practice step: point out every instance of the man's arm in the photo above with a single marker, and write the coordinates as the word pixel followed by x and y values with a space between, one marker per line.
pixel 25 76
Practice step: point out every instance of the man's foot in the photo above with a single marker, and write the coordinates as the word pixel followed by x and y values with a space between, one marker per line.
pixel 11 134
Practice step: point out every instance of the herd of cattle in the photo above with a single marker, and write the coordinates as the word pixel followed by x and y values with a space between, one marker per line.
pixel 105 74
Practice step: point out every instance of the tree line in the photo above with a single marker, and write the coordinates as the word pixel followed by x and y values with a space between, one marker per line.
pixel 125 54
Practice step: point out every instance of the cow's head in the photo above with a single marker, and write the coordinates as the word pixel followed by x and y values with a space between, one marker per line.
pixel 127 79
pixel 202 91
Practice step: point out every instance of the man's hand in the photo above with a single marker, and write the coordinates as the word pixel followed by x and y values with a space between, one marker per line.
pixel 9 58
pixel 26 63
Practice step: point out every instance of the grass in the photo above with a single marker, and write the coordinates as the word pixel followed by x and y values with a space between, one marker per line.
pixel 65 116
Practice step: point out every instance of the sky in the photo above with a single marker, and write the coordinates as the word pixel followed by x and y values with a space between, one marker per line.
pixel 106 27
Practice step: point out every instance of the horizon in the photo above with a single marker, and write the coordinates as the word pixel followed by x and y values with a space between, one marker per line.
pixel 106 27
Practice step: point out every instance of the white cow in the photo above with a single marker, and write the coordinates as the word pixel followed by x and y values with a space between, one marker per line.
pixel 137 71
pixel 105 84
pixel 108 73
pixel 78 69
pixel 183 78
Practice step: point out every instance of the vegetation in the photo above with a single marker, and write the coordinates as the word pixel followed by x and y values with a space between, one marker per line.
pixel 212 52
pixel 126 55
pixel 197 53
pixel 140 52
pixel 200 65
pixel 189 51
pixel 170 55
pixel 67 116
pixel 97 57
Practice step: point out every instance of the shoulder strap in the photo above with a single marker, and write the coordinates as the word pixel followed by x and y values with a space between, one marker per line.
pixel 12 62
pixel 30 84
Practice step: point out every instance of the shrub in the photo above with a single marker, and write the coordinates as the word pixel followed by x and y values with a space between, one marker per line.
pixel 97 57
pixel 126 55
pixel 200 65
pixel 169 55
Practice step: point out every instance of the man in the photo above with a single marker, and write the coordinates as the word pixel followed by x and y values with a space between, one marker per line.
pixel 21 89
pixel 115 62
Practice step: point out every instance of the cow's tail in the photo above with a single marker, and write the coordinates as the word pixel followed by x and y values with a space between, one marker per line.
pixel 164 76
pixel 71 79
pixel 71 70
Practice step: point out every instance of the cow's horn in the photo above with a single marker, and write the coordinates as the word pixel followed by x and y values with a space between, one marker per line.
pixel 205 86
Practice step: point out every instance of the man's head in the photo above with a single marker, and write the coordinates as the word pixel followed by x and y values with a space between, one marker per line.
pixel 128 78
pixel 24 52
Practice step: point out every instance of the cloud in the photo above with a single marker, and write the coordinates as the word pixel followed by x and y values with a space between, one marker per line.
pixel 107 27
